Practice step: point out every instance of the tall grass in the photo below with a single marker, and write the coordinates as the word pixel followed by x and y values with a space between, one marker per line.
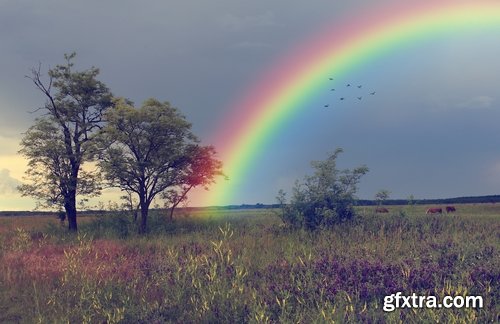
pixel 244 267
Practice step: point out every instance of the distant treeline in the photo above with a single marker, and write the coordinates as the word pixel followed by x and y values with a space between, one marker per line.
pixel 50 213
pixel 367 202
pixel 360 202
pixel 444 201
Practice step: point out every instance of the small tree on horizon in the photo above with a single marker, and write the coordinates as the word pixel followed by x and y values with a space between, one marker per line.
pixel 130 204
pixel 381 196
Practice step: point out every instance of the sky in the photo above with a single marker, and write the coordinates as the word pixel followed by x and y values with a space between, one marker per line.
pixel 430 131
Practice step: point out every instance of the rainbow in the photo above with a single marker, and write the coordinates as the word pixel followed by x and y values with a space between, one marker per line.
pixel 337 49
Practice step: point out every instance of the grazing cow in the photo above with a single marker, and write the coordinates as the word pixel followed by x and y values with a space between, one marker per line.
pixel 381 210
pixel 434 211
pixel 450 209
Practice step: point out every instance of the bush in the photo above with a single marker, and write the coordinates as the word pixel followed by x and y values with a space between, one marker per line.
pixel 323 199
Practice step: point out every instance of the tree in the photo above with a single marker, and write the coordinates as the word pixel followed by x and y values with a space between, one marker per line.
pixel 201 170
pixel 323 199
pixel 381 196
pixel 60 142
pixel 150 151
pixel 49 171
pixel 130 204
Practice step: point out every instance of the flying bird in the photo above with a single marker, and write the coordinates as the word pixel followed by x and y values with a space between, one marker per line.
pixel 360 86
pixel 372 93
pixel 348 85
pixel 326 106
pixel 332 90
pixel 359 98
pixel 342 98
pixel 330 79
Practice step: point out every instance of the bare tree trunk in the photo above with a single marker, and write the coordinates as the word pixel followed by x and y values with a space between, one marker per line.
pixel 70 206
pixel 179 200
pixel 171 215
pixel 144 218
pixel 135 212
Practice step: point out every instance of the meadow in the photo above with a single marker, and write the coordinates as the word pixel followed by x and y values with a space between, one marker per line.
pixel 238 266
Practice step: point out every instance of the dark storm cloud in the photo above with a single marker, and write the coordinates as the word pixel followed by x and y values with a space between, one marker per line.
pixel 202 55
pixel 198 55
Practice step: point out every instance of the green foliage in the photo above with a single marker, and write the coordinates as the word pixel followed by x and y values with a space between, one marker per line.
pixel 22 240
pixel 381 196
pixel 323 199
pixel 58 144
pixel 151 151
pixel 50 171
pixel 85 300
pixel 118 225
pixel 236 267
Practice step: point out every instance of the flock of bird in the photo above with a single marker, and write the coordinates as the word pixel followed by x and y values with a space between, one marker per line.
pixel 348 86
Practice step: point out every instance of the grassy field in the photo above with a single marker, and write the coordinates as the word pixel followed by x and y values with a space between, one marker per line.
pixel 242 266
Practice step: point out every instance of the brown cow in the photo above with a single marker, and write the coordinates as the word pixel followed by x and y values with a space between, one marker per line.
pixel 381 210
pixel 434 211
pixel 450 209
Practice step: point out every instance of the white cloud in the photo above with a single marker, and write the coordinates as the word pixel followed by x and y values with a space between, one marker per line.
pixel 9 145
pixel 251 45
pixel 479 102
pixel 234 22
pixel 8 184
pixel 493 172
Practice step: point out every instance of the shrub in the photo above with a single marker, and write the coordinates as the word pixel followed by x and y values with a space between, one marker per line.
pixel 323 199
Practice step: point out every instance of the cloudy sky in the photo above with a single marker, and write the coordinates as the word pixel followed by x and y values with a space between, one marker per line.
pixel 431 130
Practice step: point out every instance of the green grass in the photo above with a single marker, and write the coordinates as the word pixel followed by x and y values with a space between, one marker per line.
pixel 243 266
